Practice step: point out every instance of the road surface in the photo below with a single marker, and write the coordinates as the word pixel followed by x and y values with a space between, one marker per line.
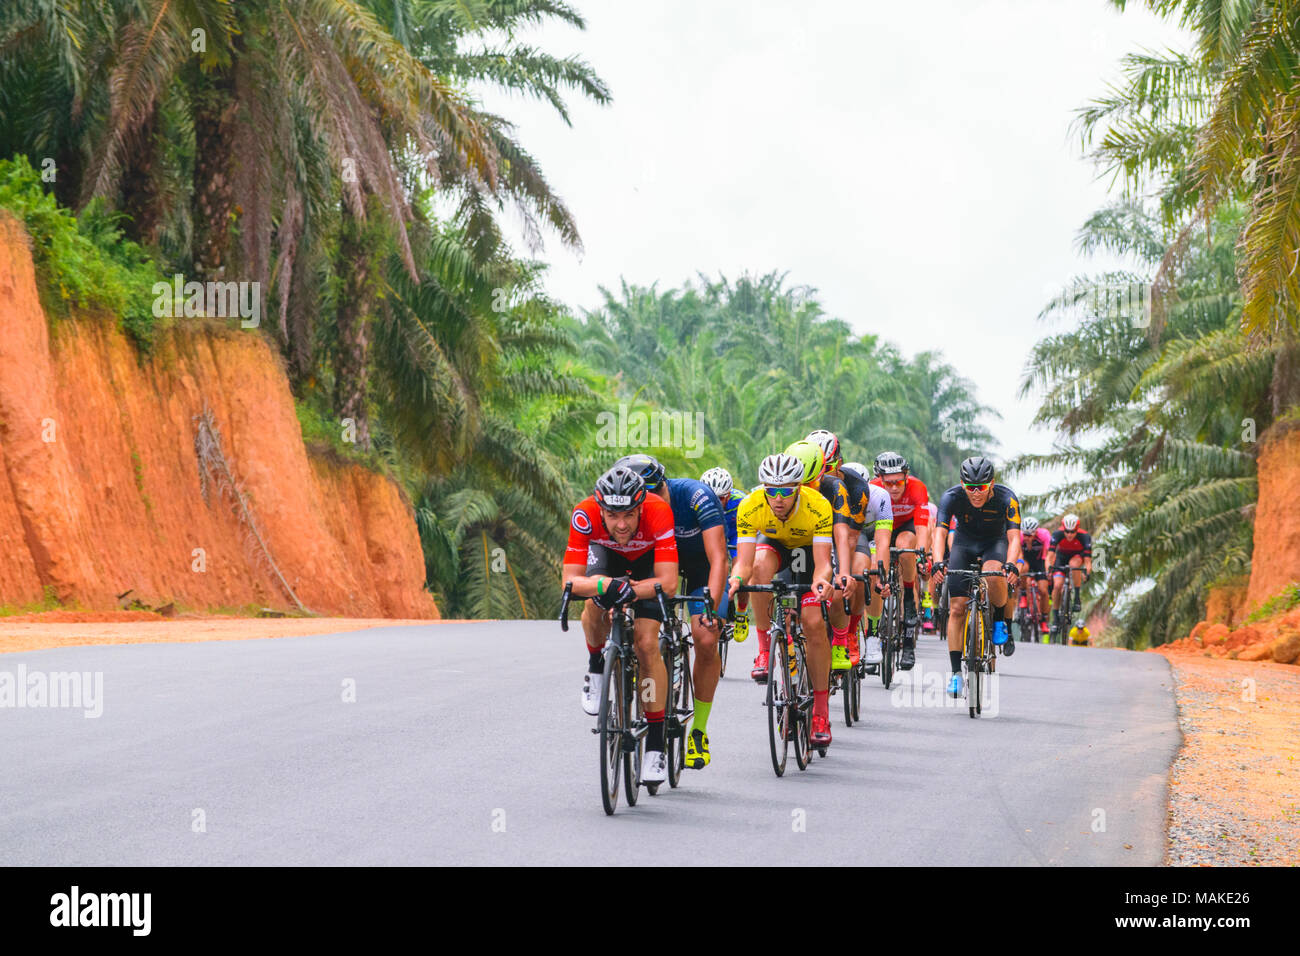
pixel 464 743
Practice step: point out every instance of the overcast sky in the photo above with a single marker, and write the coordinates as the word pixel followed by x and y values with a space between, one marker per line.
pixel 914 163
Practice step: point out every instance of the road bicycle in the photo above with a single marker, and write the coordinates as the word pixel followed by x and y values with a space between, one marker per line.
pixel 1029 618
pixel 893 628
pixel 674 647
pixel 789 684
pixel 979 655
pixel 621 724
pixel 1060 632
pixel 865 577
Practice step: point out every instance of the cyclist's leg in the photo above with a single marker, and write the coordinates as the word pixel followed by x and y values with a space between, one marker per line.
pixel 817 649
pixel 905 537
pixel 1076 575
pixel 707 664
pixel 767 562
pixel 960 587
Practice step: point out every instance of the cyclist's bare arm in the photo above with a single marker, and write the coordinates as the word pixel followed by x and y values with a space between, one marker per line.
pixel 744 565
pixel 940 543
pixel 822 568
pixel 843 535
pixel 584 586
pixel 1013 546
pixel 715 547
pixel 665 575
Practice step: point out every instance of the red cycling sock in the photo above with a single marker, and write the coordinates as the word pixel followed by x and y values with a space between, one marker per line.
pixel 764 641
pixel 854 621
pixel 841 636
pixel 821 704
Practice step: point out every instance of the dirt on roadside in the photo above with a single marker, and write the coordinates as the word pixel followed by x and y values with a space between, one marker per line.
pixel 1234 788
pixel 31 632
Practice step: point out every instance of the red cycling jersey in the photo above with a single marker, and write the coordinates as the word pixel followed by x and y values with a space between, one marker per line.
pixel 911 507
pixel 655 530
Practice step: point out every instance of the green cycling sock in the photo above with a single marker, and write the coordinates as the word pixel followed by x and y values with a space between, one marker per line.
pixel 701 720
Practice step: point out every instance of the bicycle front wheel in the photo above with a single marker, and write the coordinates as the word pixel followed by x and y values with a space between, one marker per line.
pixel 973 662
pixel 681 707
pixel 803 709
pixel 609 725
pixel 778 705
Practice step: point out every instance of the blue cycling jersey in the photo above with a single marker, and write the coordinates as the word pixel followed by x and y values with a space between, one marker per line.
pixel 696 509
pixel 729 522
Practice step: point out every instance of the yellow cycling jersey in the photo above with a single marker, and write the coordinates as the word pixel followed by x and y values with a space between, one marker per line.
pixel 809 522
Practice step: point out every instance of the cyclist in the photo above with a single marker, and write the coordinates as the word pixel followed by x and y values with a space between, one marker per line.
pixel 621 545
pixel 877 512
pixel 843 535
pixel 988 530
pixel 909 498
pixel 719 479
pixel 1070 550
pixel 927 603
pixel 702 560
pixel 1034 542
pixel 776 527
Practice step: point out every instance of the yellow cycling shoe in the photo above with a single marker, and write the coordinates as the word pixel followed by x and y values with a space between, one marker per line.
pixel 840 658
pixel 741 630
pixel 697 750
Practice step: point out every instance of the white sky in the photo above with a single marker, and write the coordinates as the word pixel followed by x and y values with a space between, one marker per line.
pixel 914 163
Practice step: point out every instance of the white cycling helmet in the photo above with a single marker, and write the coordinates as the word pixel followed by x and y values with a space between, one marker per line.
pixel 781 469
pixel 1070 522
pixel 827 442
pixel 719 479
pixel 1029 525
pixel 857 466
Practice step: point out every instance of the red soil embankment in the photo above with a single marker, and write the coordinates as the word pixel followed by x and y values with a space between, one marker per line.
pixel 100 481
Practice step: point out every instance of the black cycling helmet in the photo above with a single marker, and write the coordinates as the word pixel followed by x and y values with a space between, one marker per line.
pixel 890 463
pixel 647 466
pixel 976 470
pixel 620 489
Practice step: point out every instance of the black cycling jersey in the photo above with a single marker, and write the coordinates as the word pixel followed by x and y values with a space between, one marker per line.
pixel 999 514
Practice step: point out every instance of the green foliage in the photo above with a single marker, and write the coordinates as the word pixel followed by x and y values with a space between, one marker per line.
pixel 48 602
pixel 83 262
pixel 1279 603
pixel 763 365
pixel 1154 421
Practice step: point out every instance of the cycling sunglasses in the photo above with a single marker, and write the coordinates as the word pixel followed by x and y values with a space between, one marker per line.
pixel 779 492
pixel 984 487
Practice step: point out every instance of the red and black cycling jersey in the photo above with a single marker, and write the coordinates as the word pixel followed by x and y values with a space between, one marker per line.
pixel 1065 549
pixel 998 515
pixel 910 508
pixel 653 531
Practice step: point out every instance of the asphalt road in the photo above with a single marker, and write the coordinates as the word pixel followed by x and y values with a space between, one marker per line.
pixel 465 744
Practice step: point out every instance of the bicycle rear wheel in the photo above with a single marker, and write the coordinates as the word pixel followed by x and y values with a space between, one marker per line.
pixel 778 705
pixel 609 724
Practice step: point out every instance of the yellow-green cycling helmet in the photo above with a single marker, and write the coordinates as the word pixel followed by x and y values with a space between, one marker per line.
pixel 810 456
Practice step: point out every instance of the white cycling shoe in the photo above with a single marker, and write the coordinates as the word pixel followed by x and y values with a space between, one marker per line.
pixel 654 767
pixel 873 655
pixel 591 693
